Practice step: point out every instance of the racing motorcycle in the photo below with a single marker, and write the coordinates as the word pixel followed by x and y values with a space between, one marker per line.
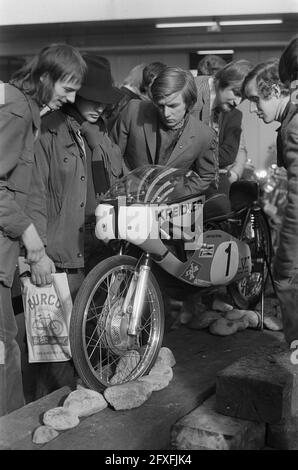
pixel 156 220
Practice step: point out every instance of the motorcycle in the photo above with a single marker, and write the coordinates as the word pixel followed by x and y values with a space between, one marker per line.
pixel 117 323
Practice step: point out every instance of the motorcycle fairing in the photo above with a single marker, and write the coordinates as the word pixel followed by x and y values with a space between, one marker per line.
pixel 220 260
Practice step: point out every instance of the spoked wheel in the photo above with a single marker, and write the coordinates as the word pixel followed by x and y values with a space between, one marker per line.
pixel 103 352
pixel 247 292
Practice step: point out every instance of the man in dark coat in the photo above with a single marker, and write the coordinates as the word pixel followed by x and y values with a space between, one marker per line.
pixel 270 100
pixel 164 132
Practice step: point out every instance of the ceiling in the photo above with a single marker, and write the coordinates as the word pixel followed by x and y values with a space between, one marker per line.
pixel 14 12
pixel 136 35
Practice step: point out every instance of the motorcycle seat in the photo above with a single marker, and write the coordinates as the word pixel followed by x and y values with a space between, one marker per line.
pixel 217 206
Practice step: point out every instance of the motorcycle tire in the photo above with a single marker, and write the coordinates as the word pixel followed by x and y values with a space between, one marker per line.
pixel 247 292
pixel 101 348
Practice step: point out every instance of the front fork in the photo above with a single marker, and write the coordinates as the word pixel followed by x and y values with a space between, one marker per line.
pixel 137 291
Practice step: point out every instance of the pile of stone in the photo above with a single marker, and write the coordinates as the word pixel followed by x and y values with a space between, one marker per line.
pixel 79 403
pixel 85 402
pixel 223 319
pixel 133 394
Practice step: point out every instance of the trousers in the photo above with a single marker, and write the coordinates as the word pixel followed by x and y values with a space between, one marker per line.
pixel 287 293
pixel 11 384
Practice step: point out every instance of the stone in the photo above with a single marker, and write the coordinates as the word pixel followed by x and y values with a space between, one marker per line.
pixel 165 357
pixel 185 317
pixel 158 378
pixel 60 418
pixel 262 386
pixel 127 396
pixel 205 429
pixel 84 402
pixel 242 323
pixel 225 327
pixel 19 425
pixel 283 435
pixel 125 366
pixel 221 305
pixel 44 434
pixel 235 314
pixel 273 323
pixel 204 319
pixel 162 369
pixel 253 317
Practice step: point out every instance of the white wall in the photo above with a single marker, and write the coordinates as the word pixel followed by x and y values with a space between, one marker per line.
pixel 51 11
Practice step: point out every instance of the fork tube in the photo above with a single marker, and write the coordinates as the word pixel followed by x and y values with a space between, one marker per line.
pixel 139 297
pixel 130 292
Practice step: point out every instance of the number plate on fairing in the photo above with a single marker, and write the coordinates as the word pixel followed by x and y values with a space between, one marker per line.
pixel 220 260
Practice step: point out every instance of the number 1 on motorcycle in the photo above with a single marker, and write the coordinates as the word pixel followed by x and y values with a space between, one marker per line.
pixel 224 264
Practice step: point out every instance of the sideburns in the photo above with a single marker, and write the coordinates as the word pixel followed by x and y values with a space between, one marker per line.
pixel 45 90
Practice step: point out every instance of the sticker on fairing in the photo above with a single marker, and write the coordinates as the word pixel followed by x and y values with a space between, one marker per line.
pixel 225 263
pixel 191 273
pixel 207 251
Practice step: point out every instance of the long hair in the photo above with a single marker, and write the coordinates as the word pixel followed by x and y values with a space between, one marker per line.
pixel 53 63
pixel 210 65
pixel 172 80
pixel 266 76
pixel 134 78
pixel 288 62
pixel 150 72
pixel 232 75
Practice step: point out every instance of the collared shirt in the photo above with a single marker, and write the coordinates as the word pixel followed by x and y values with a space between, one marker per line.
pixel 166 141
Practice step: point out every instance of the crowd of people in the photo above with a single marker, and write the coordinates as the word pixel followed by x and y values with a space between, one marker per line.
pixel 67 133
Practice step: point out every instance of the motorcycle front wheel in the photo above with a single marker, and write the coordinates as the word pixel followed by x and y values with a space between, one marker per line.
pixel 247 292
pixel 103 352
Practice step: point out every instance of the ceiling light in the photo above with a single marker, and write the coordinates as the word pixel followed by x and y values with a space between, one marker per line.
pixel 208 24
pixel 248 22
pixel 216 51
pixel 186 25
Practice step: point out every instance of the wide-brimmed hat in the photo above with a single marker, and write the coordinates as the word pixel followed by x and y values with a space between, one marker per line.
pixel 98 83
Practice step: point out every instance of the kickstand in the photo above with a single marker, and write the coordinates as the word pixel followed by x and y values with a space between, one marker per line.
pixel 262 303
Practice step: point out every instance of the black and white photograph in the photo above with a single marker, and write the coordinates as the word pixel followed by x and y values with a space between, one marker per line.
pixel 148 228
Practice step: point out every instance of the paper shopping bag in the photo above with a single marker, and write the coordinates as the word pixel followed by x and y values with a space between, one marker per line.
pixel 47 312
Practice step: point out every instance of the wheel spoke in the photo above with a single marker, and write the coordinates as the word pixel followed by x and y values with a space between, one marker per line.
pixel 104 337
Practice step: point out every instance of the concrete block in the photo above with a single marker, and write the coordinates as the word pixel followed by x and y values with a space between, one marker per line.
pixel 22 423
pixel 283 435
pixel 262 386
pixel 205 429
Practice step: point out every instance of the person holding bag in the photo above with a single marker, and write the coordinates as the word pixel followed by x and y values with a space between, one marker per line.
pixel 75 162
pixel 50 79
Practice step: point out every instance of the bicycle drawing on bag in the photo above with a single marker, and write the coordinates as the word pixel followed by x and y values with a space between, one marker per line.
pixel 45 325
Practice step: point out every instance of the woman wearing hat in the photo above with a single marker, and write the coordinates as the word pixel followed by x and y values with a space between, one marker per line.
pixel 75 162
